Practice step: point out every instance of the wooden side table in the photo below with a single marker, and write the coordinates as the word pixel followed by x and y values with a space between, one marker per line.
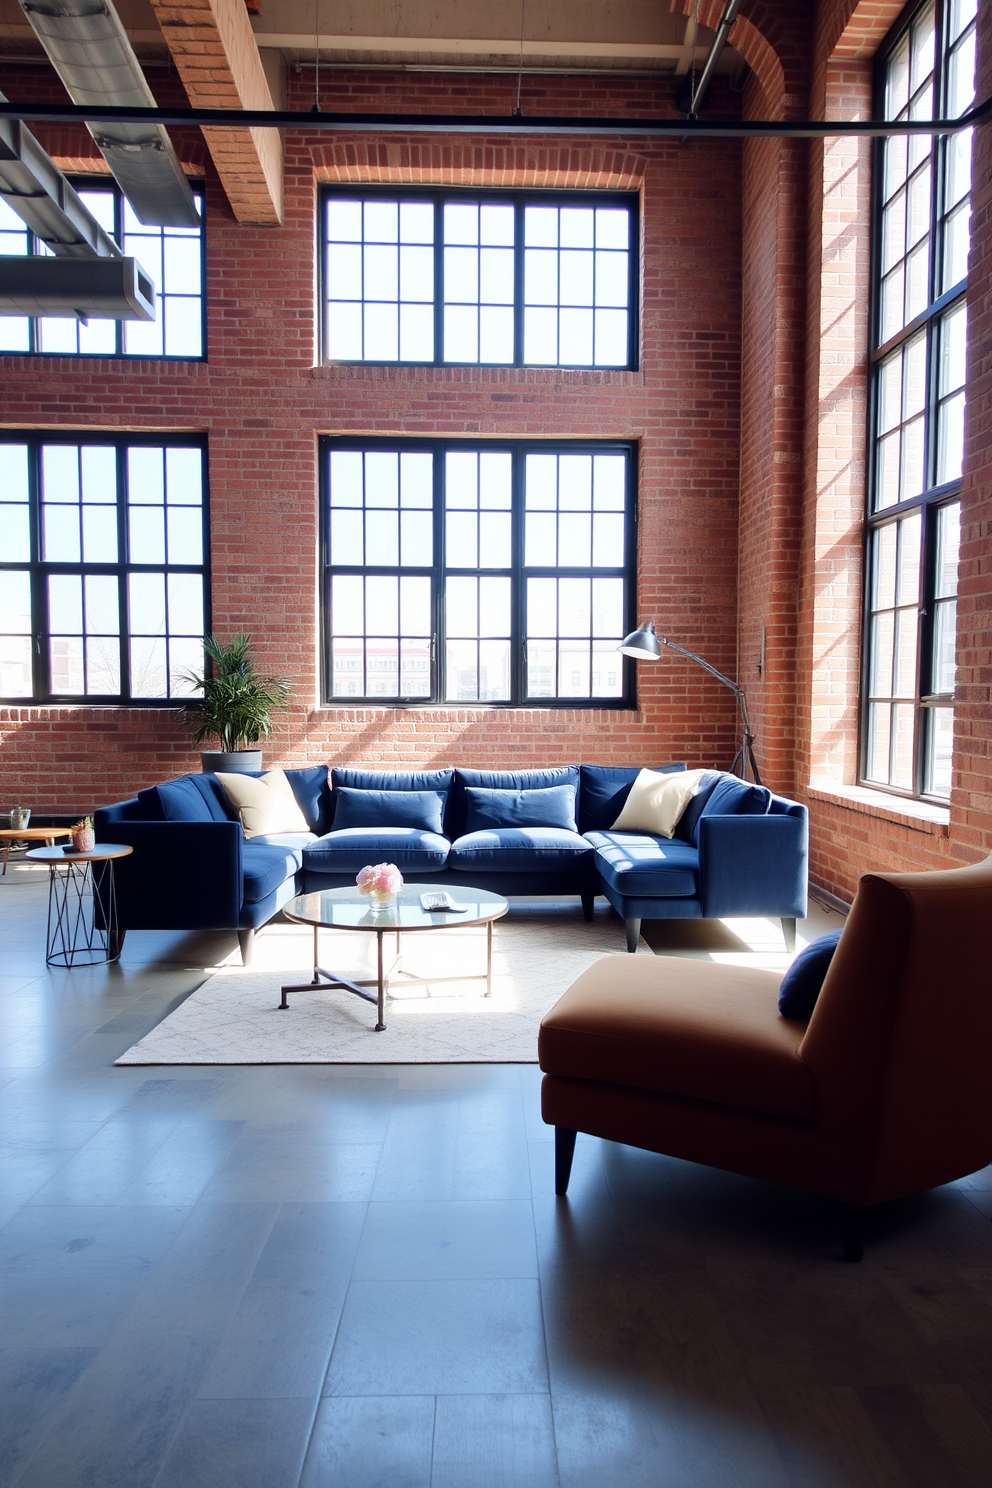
pixel 10 835
pixel 79 935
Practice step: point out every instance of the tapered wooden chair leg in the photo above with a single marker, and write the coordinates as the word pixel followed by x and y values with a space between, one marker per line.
pixel 564 1152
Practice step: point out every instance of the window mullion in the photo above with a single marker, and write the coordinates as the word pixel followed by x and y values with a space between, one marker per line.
pixel 439 640
pixel 518 595
pixel 123 570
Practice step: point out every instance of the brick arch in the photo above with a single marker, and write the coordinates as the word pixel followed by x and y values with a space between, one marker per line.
pixel 747 37
pixel 421 162
pixel 860 26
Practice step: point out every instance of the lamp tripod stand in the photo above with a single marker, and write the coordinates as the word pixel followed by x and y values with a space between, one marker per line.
pixel 644 644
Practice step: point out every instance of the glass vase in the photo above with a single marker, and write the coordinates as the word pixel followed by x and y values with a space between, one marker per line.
pixel 381 903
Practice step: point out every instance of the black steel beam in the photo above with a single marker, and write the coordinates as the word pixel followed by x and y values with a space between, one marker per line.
pixel 683 129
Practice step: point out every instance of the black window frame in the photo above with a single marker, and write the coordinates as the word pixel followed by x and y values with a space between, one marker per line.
pixel 934 497
pixel 40 569
pixel 519 572
pixel 95 182
pixel 520 198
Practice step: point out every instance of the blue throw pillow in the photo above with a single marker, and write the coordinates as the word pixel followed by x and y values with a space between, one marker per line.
pixel 727 796
pixel 800 987
pixel 554 807
pixel 387 808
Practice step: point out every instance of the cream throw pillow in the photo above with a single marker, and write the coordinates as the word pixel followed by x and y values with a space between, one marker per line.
pixel 656 802
pixel 265 805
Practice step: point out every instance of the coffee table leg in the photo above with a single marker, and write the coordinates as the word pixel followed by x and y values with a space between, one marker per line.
pixel 489 958
pixel 380 1026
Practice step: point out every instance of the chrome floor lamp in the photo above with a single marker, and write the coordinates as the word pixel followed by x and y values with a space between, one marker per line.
pixel 644 644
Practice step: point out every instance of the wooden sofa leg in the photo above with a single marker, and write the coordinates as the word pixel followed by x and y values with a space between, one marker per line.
pixel 789 931
pixel 564 1152
pixel 633 934
pixel 852 1231
pixel 246 940
pixel 588 900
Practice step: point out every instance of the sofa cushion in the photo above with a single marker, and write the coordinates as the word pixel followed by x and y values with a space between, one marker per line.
pixel 266 866
pixel 266 804
pixel 511 780
pixel 603 789
pixel 388 808
pixel 551 807
pixel 724 796
pixel 347 851
pixel 656 802
pixel 800 987
pixel 519 850
pixel 189 798
pixel 309 785
pixel 679 1027
pixel 637 865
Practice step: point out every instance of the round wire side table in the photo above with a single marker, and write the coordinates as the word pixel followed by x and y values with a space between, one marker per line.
pixel 82 904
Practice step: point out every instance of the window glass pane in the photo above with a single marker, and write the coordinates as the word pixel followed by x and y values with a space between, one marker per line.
pixel 948 546
pixel 944 643
pixel 15 634
pixel 940 746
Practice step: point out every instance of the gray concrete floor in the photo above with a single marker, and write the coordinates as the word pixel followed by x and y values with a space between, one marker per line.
pixel 264 1277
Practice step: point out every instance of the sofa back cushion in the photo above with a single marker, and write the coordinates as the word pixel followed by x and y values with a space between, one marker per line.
pixel 724 796
pixel 353 778
pixel 603 789
pixel 502 780
pixel 656 801
pixel 553 806
pixel 423 809
pixel 190 798
pixel 311 788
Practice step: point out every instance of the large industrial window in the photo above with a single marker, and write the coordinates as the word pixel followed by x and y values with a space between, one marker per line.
pixel 536 279
pixel 920 332
pixel 490 572
pixel 171 256
pixel 102 567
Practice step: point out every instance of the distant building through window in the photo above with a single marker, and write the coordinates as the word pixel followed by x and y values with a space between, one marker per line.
pixel 493 573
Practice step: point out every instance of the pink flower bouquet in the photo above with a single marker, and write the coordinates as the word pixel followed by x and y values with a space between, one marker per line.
pixel 379 879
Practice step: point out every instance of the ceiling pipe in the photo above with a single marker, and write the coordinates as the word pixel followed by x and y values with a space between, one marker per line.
pixel 681 129
pixel 701 89
pixel 90 50
pixel 33 186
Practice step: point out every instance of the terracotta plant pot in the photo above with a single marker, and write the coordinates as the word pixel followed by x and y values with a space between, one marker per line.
pixel 84 841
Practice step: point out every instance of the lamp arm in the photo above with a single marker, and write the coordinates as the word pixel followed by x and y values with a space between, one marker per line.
pixel 727 681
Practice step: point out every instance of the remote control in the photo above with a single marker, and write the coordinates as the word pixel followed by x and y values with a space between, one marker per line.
pixel 433 902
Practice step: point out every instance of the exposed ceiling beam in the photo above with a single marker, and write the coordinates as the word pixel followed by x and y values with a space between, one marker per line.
pixel 533 124
pixel 89 49
pixel 216 56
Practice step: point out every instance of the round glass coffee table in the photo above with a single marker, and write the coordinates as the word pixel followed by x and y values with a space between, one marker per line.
pixel 347 909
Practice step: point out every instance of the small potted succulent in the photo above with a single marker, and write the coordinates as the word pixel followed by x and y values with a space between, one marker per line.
pixel 83 836
pixel 235 707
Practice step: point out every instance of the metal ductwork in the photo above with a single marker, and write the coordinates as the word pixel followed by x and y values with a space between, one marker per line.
pixel 90 288
pixel 89 49
pixel 33 186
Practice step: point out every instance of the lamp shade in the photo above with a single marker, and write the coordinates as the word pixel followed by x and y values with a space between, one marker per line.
pixel 642 644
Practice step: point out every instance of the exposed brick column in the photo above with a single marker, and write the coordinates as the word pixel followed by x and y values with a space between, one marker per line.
pixel 971 800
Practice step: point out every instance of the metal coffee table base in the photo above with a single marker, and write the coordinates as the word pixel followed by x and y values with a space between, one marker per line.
pixel 327 979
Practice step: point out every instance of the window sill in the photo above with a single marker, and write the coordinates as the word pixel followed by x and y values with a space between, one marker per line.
pixel 919 816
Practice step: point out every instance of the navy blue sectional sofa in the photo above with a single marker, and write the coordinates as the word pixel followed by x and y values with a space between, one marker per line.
pixel 738 850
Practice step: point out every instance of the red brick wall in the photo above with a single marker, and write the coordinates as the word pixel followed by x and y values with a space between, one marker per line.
pixel 263 403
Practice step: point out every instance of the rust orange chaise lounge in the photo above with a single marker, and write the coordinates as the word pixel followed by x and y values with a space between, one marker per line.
pixel 884 1093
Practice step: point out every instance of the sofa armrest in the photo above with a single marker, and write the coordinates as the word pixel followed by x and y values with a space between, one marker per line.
pixel 754 865
pixel 181 875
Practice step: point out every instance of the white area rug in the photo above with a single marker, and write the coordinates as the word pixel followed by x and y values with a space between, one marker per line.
pixel 234 1018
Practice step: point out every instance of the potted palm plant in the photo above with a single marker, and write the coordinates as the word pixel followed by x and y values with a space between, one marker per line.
pixel 235 707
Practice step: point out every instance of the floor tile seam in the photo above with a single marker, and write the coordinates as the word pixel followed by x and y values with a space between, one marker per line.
pixel 332 1342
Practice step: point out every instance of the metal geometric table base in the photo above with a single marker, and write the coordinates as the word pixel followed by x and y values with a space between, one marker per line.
pixel 82 926
pixel 327 979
